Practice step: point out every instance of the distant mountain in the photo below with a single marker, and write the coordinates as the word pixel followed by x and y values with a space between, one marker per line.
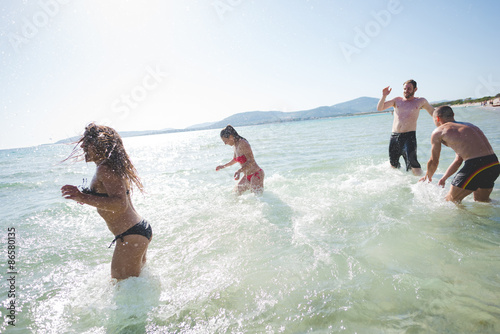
pixel 145 132
pixel 198 126
pixel 123 134
pixel 361 105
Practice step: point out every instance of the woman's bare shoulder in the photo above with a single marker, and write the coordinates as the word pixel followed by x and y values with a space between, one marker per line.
pixel 244 143
pixel 106 171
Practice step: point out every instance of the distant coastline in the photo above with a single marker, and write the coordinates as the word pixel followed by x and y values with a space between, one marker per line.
pixel 126 134
pixel 357 107
pixel 487 101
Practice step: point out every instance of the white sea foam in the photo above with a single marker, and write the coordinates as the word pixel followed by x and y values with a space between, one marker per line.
pixel 338 241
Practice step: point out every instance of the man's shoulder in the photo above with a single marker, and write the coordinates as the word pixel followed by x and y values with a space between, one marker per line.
pixel 464 124
pixel 411 103
pixel 421 103
pixel 446 128
pixel 398 100
pixel 438 133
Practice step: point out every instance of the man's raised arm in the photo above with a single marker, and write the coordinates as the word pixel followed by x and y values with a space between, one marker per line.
pixel 382 104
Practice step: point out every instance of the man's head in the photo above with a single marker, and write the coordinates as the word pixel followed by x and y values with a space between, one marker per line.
pixel 409 88
pixel 443 115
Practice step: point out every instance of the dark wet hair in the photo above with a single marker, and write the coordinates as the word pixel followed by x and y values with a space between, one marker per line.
pixel 108 146
pixel 444 112
pixel 411 81
pixel 230 131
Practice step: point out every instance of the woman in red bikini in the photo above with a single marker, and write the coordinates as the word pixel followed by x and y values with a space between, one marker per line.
pixel 109 192
pixel 253 175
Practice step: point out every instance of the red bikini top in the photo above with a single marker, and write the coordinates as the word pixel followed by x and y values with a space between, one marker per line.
pixel 241 159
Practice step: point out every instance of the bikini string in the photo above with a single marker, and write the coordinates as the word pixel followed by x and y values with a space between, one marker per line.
pixel 119 236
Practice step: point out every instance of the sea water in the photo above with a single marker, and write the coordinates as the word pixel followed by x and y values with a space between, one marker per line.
pixel 338 242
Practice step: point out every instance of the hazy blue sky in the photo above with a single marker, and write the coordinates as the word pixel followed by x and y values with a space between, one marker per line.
pixel 144 65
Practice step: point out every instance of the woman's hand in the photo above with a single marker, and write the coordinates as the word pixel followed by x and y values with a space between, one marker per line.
pixel 237 175
pixel 218 168
pixel 71 192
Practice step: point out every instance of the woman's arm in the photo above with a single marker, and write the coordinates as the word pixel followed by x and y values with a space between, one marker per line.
pixel 230 163
pixel 115 187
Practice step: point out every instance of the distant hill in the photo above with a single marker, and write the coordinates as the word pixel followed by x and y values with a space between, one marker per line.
pixel 124 134
pixel 197 126
pixel 361 105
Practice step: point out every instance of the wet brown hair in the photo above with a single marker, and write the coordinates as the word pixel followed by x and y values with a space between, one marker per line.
pixel 230 131
pixel 108 146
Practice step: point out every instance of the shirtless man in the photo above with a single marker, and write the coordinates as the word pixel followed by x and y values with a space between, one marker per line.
pixel 406 111
pixel 481 167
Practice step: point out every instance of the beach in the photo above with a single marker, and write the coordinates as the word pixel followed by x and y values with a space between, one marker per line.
pixel 338 243
pixel 491 103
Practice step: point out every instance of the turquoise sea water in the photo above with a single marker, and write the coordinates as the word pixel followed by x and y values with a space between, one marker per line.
pixel 339 242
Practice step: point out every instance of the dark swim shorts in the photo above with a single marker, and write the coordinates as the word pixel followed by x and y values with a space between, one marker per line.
pixel 403 144
pixel 478 173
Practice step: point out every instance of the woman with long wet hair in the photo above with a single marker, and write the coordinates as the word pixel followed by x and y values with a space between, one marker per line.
pixel 253 175
pixel 109 192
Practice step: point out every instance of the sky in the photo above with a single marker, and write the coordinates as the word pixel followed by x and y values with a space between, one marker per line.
pixel 158 64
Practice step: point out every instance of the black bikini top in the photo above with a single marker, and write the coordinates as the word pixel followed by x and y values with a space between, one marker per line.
pixel 93 192
pixel 90 191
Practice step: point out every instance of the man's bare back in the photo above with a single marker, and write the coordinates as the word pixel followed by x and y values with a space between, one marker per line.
pixel 466 139
pixel 481 167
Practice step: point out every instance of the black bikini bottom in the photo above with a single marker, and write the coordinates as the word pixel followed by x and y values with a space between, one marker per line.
pixel 141 228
